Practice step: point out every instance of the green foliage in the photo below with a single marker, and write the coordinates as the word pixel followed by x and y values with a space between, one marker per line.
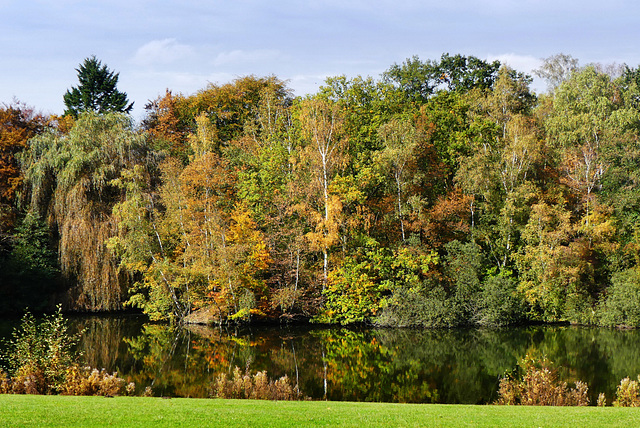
pixel 354 290
pixel 621 306
pixel 419 80
pixel 409 307
pixel 33 246
pixel 499 302
pixel 464 297
pixel 418 299
pixel 96 91
pixel 30 270
pixel 463 265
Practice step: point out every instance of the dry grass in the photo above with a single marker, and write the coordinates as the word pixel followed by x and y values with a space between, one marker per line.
pixel 540 386
pixel 78 381
pixel 257 386
pixel 628 393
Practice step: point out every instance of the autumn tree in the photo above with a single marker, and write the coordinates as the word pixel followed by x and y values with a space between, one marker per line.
pixel 18 123
pixel 321 129
pixel 551 270
pixel 273 183
pixel 230 106
pixel 200 247
pixel 169 123
pixel 70 182
pixel 96 92
pixel 595 127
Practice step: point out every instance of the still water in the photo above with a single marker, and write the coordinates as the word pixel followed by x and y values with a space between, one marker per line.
pixel 393 365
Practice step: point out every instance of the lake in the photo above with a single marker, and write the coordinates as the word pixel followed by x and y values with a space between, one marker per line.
pixel 354 364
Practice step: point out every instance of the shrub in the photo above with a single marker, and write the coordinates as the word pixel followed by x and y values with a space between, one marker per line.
pixel 41 360
pixel 539 386
pixel 628 393
pixel 256 387
pixel 622 303
pixel 5 383
pixel 602 400
pixel 415 307
pixel 90 381
pixel 500 303
pixel 39 354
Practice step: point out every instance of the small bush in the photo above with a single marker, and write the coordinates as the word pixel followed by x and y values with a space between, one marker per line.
pixel 628 393
pixel 539 386
pixel 256 387
pixel 602 400
pixel 41 360
pixel 39 354
pixel 89 381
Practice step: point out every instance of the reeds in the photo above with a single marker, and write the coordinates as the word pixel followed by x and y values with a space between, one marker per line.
pixel 257 387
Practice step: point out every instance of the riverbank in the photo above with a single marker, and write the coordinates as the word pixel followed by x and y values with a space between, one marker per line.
pixel 64 411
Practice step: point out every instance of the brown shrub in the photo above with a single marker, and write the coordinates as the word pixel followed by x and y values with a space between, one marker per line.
pixel 257 387
pixel 89 381
pixel 5 383
pixel 539 386
pixel 628 393
pixel 602 400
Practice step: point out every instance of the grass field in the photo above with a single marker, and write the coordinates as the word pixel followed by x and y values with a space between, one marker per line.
pixel 59 411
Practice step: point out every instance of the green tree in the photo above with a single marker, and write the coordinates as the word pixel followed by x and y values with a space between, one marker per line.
pixel 420 80
pixel 500 172
pixel 399 137
pixel 96 91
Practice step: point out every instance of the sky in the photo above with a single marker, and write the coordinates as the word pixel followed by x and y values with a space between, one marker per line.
pixel 184 45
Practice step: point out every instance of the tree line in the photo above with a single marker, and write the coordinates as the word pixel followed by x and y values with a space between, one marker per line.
pixel 443 193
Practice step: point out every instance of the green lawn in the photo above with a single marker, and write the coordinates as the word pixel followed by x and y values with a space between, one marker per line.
pixel 55 411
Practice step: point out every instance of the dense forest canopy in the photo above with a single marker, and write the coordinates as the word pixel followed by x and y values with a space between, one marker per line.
pixel 444 193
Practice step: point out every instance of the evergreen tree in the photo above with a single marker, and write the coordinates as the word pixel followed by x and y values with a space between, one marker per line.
pixel 97 91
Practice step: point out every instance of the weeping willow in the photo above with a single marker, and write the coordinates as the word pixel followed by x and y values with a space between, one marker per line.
pixel 69 180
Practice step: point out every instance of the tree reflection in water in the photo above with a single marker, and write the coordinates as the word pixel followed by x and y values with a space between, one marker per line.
pixel 394 365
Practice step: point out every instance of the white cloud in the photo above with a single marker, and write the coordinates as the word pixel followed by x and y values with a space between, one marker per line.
pixel 240 57
pixel 303 84
pixel 163 51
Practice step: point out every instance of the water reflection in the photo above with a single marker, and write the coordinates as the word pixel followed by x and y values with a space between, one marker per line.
pixel 395 365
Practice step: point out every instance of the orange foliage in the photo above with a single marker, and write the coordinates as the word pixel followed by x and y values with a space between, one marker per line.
pixel 448 219
pixel 17 124
pixel 164 123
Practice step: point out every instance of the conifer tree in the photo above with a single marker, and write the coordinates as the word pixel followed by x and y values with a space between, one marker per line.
pixel 97 91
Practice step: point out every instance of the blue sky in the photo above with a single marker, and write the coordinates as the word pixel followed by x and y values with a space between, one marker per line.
pixel 183 45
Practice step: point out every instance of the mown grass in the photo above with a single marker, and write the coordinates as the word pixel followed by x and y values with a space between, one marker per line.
pixel 57 411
